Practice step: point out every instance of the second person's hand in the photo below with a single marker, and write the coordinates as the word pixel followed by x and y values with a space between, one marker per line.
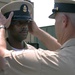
pixel 4 21
pixel 33 28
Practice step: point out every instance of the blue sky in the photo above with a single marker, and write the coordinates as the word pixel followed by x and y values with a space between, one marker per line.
pixel 42 9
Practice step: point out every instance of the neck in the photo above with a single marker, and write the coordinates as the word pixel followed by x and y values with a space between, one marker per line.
pixel 67 36
pixel 15 43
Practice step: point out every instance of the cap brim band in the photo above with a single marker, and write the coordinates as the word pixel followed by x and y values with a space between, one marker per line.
pixel 62 7
pixel 18 15
pixel 21 18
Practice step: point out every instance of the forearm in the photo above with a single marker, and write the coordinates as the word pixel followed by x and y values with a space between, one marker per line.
pixel 2 47
pixel 2 41
pixel 3 51
pixel 49 41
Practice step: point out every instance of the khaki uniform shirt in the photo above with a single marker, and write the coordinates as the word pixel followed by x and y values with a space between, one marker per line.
pixel 42 62
pixel 26 46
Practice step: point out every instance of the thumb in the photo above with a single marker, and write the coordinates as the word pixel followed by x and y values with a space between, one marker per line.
pixel 10 16
pixel 9 19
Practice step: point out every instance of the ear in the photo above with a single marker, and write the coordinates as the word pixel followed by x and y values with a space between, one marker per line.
pixel 64 20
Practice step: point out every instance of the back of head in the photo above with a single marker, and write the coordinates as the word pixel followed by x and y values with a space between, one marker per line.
pixel 23 10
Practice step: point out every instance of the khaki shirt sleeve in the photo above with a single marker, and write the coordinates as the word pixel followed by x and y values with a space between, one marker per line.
pixel 34 61
pixel 27 58
pixel 37 62
pixel 26 62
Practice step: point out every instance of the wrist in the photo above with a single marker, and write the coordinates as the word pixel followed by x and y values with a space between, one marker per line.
pixel 38 32
pixel 2 26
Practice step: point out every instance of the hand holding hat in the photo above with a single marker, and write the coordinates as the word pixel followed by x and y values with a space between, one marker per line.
pixel 33 28
pixel 4 21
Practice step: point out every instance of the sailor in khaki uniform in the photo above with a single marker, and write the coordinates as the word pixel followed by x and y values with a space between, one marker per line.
pixel 46 62
pixel 17 32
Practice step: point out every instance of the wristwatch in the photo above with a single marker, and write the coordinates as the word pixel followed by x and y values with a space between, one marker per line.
pixel 2 26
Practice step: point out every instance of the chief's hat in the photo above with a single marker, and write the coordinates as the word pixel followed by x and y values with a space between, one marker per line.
pixel 63 6
pixel 22 10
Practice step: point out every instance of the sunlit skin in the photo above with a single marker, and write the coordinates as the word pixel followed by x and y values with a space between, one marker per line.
pixel 64 26
pixel 58 27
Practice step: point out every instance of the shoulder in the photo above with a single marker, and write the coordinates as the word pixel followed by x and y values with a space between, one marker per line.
pixel 31 47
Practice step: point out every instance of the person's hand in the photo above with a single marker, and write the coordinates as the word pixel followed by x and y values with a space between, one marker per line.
pixel 4 21
pixel 33 28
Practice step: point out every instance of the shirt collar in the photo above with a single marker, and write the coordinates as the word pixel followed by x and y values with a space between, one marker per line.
pixel 70 42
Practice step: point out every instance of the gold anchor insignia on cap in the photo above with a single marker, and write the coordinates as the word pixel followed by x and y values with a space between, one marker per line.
pixel 56 8
pixel 24 9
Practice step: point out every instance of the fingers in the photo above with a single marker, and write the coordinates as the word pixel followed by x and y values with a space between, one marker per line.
pixel 10 16
pixel 4 21
pixel 9 20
